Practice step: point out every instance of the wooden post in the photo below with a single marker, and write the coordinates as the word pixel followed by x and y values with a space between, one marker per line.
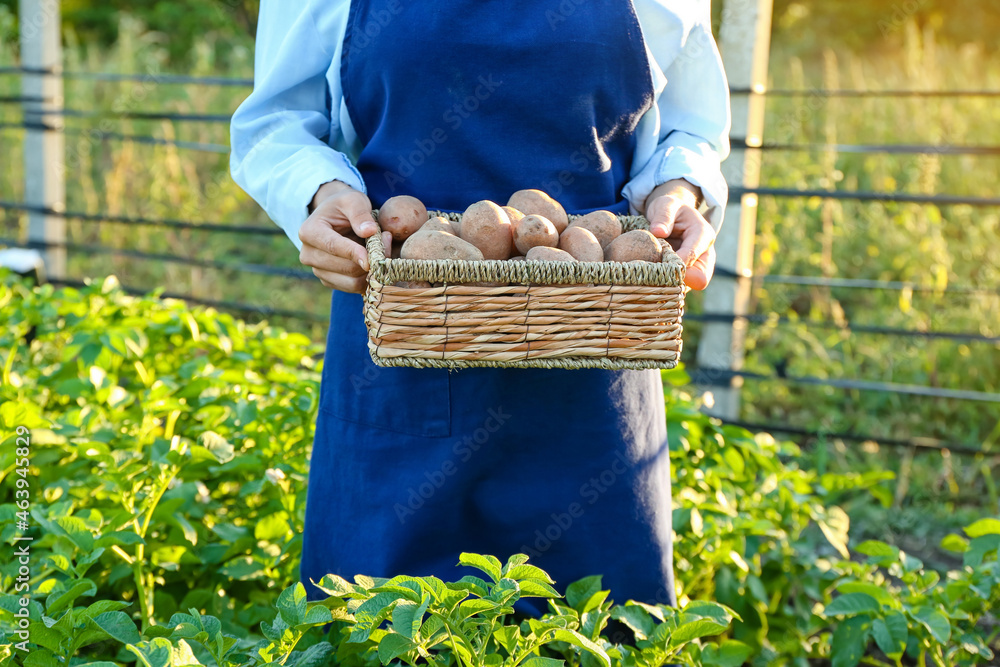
pixel 44 144
pixel 744 40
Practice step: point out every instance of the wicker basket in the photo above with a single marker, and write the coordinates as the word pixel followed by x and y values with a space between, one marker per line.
pixel 608 315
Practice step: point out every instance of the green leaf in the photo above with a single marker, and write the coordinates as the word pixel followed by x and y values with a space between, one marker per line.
pixel 835 529
pixel 876 592
pixel 314 656
pixel 849 641
pixel 983 527
pixel 407 616
pixel 936 623
pixel 339 587
pixel 713 610
pixel 292 604
pixel 891 634
pixel 636 618
pixel 576 639
pixel 181 655
pixel 580 591
pixel 519 572
pixel 57 601
pixel 317 615
pixel 220 448
pixel 852 604
pixel 473 584
pixel 392 646
pixel 955 543
pixel 514 561
pixel 118 625
pixel 594 601
pixel 41 659
pixel 371 612
pixel 877 549
pixel 730 653
pixel 695 629
pixel 46 637
pixel 505 592
pixel 507 636
pixel 273 527
pixel 487 564
pixel 474 606
pixel 154 653
pixel 979 547
pixel 102 606
pixel 532 588
pixel 543 662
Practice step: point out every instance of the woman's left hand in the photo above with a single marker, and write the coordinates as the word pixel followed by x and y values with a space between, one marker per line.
pixel 672 215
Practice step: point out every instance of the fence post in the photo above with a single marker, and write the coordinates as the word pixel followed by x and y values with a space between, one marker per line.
pixel 44 143
pixel 744 40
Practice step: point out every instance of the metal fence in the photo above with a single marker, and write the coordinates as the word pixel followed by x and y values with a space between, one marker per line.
pixel 41 117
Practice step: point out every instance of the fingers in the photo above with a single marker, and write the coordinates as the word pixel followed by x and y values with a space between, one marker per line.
pixel 699 274
pixel 323 261
pixel 356 208
pixel 661 214
pixel 321 239
pixel 696 234
pixel 341 282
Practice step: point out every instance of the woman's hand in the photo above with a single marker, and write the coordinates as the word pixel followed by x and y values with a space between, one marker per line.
pixel 332 237
pixel 672 213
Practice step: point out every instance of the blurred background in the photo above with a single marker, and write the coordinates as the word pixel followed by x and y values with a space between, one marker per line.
pixel 872 327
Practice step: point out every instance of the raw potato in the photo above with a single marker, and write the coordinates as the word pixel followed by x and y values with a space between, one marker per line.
pixel 546 254
pixel 582 244
pixel 536 202
pixel 605 225
pixel 435 244
pixel 533 231
pixel 486 226
pixel 413 284
pixel 440 224
pixel 637 244
pixel 514 215
pixel 403 216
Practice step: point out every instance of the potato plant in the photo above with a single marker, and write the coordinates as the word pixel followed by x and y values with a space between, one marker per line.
pixel 168 463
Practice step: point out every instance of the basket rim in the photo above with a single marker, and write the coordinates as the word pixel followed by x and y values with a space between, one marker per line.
pixel 386 270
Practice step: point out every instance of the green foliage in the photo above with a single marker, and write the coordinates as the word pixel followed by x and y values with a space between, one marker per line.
pixel 185 21
pixel 166 453
pixel 770 540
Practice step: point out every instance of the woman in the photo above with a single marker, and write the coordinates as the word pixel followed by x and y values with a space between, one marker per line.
pixel 455 102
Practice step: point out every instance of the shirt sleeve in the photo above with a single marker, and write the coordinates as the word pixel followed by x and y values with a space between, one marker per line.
pixel 691 117
pixel 281 135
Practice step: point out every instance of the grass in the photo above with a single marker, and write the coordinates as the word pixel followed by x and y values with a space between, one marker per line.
pixel 930 247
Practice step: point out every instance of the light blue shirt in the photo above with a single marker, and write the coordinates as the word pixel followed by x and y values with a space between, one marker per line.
pixel 293 133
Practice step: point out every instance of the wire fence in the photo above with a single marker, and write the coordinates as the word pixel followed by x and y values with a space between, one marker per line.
pixel 702 377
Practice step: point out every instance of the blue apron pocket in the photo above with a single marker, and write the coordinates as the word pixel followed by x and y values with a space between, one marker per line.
pixel 410 401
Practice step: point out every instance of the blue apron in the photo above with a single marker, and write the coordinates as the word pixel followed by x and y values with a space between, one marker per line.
pixel 455 102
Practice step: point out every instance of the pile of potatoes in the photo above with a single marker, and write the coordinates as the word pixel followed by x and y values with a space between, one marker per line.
pixel 531 227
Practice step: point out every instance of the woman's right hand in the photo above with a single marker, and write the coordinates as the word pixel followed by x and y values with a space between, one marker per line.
pixel 332 237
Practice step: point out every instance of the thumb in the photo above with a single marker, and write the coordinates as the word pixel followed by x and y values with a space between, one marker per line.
pixel 662 213
pixel 357 208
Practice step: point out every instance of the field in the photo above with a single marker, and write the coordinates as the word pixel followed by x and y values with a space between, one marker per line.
pixel 947 253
